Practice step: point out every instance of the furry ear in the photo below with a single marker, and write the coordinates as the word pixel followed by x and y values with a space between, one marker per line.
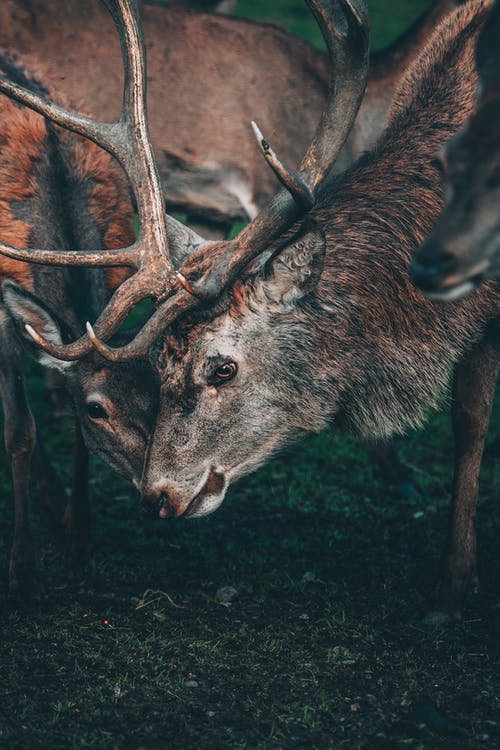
pixel 25 309
pixel 293 272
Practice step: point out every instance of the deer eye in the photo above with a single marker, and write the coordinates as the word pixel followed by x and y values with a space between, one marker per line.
pixel 95 410
pixel 223 373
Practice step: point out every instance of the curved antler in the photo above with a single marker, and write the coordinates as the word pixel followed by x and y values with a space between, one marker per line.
pixel 126 139
pixel 345 28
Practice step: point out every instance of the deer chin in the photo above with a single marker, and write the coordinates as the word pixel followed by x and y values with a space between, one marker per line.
pixel 457 285
pixel 209 498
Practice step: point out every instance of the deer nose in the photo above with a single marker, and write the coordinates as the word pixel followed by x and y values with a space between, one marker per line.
pixel 159 505
pixel 431 266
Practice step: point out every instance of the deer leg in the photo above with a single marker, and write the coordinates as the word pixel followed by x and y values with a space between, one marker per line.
pixel 50 489
pixel 473 393
pixel 77 516
pixel 20 440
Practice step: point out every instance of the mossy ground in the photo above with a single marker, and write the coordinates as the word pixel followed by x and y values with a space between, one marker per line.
pixel 320 647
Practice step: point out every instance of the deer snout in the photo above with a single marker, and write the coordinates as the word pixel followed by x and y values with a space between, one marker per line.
pixel 431 267
pixel 161 504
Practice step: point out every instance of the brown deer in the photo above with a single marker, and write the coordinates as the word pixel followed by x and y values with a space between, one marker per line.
pixel 302 321
pixel 464 247
pixel 214 174
pixel 57 189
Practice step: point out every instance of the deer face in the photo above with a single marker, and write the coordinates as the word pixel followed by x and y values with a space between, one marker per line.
pixel 115 403
pixel 464 247
pixel 237 388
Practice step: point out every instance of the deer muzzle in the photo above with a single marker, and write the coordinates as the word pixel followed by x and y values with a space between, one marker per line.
pixel 441 276
pixel 166 502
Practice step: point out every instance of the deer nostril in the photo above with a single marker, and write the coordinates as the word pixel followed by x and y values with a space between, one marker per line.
pixel 158 506
pixel 165 509
pixel 430 267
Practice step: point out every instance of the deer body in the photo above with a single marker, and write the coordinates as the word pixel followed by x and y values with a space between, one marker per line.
pixel 57 190
pixel 207 64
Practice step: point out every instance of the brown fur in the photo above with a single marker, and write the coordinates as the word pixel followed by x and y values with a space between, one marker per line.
pixel 108 204
pixel 23 136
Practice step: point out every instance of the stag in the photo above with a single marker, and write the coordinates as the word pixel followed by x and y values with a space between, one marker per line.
pixel 308 316
pixel 56 188
pixel 464 247
pixel 214 174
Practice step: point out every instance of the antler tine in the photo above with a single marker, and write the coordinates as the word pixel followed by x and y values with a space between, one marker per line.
pixel 137 157
pixel 291 180
pixel 345 28
pixel 169 311
pixel 119 257
pixel 127 295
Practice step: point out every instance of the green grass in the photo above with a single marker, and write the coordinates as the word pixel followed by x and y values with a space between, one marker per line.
pixel 332 662
pixel 328 660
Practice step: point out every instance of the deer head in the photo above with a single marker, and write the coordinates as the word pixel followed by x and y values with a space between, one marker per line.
pixel 464 248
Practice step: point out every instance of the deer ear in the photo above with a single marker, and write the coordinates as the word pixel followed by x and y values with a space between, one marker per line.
pixel 294 271
pixel 182 241
pixel 25 309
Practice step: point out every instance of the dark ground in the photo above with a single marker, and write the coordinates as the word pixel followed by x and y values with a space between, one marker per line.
pixel 320 646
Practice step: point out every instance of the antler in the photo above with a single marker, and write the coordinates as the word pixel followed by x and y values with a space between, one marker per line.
pixel 345 28
pixel 128 141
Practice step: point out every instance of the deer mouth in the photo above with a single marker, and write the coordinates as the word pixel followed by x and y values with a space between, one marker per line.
pixel 458 284
pixel 209 497
pixel 440 286
pixel 169 504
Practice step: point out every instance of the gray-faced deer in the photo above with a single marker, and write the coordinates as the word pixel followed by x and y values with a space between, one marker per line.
pixel 215 174
pixel 464 247
pixel 58 191
pixel 299 322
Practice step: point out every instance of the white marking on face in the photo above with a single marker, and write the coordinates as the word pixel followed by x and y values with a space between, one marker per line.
pixel 209 504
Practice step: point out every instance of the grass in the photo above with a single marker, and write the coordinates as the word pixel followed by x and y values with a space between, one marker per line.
pixel 320 647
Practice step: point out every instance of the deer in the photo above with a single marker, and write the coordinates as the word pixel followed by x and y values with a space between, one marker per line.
pixel 308 316
pixel 58 189
pixel 213 174
pixel 463 249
